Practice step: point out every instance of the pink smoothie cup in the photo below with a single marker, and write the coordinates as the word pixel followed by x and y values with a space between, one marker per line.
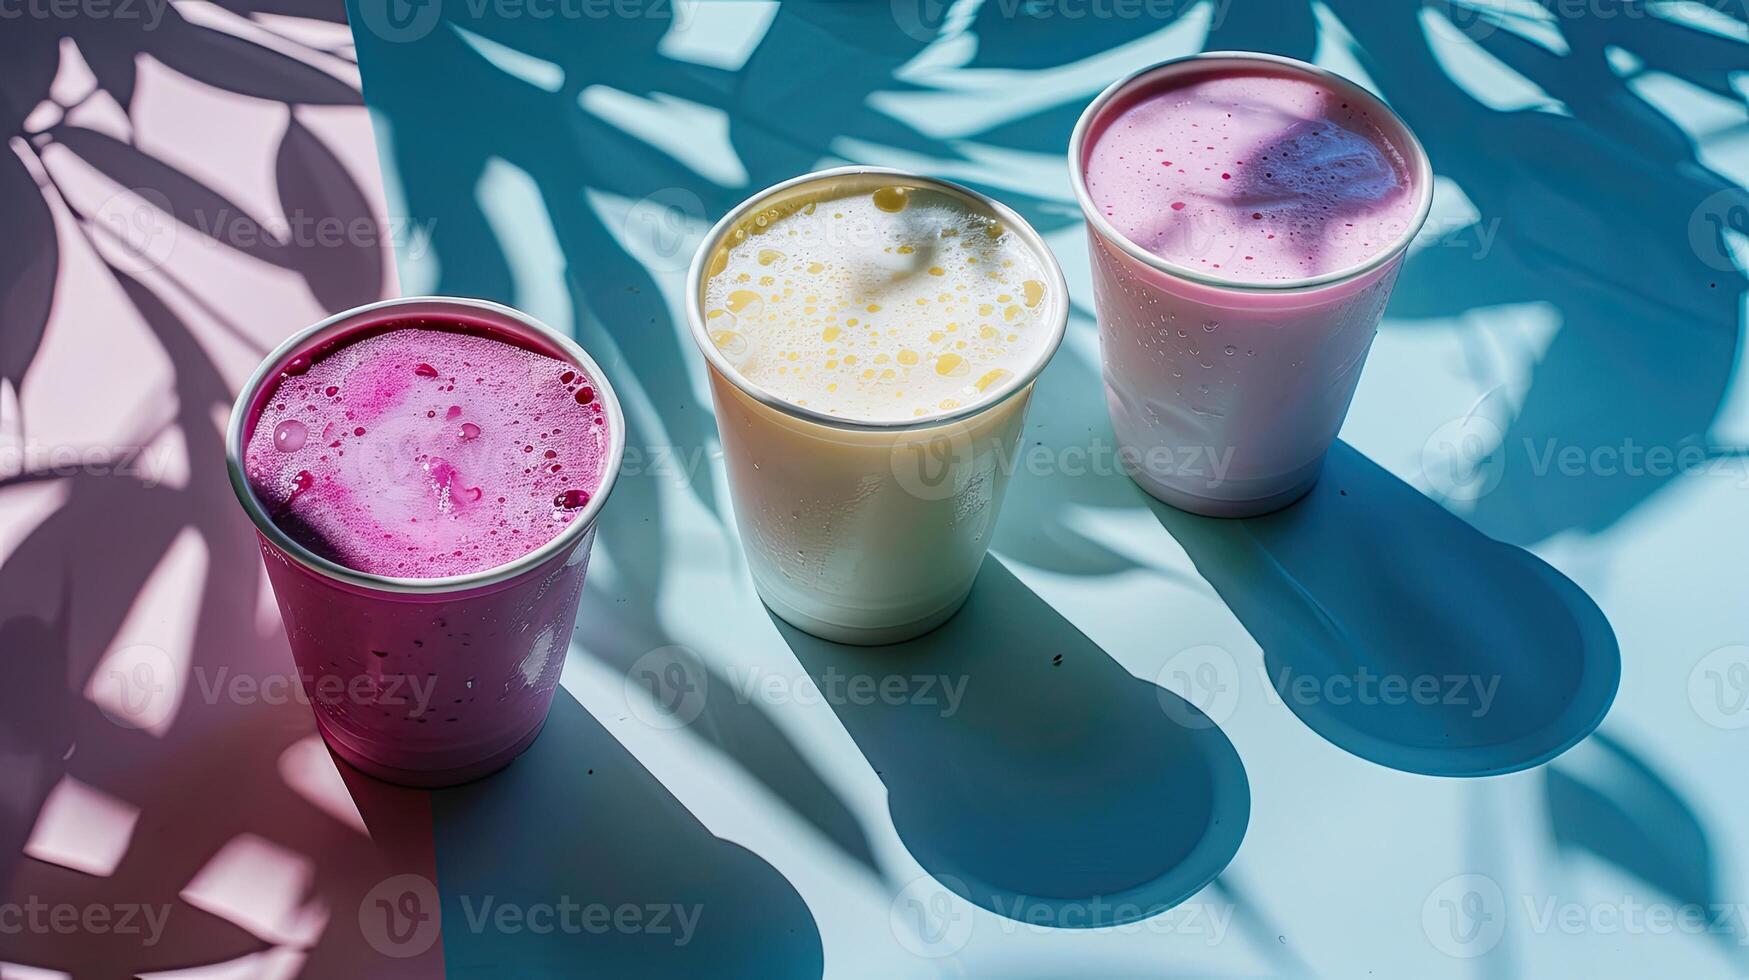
pixel 427 681
pixel 1300 343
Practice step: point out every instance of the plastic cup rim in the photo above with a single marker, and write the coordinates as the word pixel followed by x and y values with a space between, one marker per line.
pixel 1078 178
pixel 1058 313
pixel 274 362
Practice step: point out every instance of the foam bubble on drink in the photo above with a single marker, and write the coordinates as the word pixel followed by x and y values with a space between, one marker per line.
pixel 887 303
pixel 1251 175
pixel 425 451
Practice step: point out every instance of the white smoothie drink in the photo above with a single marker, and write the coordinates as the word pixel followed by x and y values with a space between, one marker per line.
pixel 873 337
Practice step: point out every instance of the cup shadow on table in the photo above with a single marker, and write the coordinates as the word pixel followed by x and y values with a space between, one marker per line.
pixel 1063 787
pixel 577 819
pixel 1402 635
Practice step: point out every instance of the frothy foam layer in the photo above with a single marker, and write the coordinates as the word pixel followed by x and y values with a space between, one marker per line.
pixel 878 303
pixel 1251 175
pixel 426 450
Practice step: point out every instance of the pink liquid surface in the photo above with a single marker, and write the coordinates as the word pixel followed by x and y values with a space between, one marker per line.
pixel 421 450
pixel 1250 175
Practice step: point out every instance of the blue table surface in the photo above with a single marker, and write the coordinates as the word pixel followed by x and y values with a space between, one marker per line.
pixel 1557 380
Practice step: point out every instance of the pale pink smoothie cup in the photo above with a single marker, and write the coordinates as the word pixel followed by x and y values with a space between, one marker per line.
pixel 427 681
pixel 1229 368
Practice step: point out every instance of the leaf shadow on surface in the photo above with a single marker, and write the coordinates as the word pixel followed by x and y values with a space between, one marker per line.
pixel 29 264
pixel 449 111
pixel 1365 582
pixel 314 184
pixel 439 85
pixel 1055 783
pixel 212 790
pixel 1606 801
pixel 1644 284
pixel 577 815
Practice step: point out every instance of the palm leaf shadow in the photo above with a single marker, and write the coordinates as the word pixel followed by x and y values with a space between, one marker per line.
pixel 71 583
pixel 1606 801
pixel 1638 288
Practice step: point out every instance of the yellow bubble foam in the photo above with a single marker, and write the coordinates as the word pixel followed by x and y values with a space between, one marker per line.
pixel 907 261
pixel 891 199
pixel 993 378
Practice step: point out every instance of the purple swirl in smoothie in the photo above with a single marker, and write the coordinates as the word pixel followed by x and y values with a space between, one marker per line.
pixel 1250 174
pixel 425 449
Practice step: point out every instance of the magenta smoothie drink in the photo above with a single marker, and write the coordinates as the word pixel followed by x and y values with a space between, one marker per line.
pixel 1246 215
pixel 425 476
pixel 427 448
